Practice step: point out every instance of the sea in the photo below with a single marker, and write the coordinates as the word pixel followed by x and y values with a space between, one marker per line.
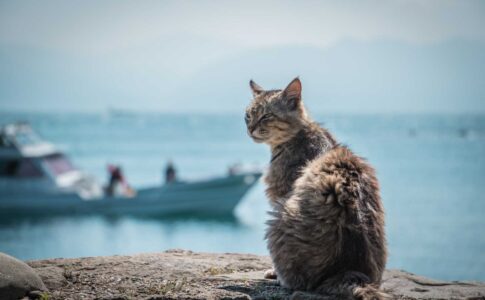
pixel 431 170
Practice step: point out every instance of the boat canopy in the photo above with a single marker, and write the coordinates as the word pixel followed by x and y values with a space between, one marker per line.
pixel 18 139
pixel 23 154
pixel 28 160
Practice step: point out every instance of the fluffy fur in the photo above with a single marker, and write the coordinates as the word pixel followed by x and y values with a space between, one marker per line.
pixel 326 235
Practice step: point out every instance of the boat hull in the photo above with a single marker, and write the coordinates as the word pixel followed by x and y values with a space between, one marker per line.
pixel 210 197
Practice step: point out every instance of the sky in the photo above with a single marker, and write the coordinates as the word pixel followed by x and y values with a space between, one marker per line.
pixel 352 56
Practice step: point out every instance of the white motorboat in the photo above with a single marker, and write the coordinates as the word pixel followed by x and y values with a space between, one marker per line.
pixel 37 178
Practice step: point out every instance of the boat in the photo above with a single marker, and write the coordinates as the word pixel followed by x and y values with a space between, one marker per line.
pixel 37 178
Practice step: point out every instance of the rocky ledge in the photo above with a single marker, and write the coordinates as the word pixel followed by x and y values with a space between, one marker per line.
pixel 178 274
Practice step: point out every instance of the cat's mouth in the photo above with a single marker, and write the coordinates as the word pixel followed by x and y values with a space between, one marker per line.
pixel 257 139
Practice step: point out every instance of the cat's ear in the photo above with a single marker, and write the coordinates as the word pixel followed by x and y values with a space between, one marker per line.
pixel 292 94
pixel 255 88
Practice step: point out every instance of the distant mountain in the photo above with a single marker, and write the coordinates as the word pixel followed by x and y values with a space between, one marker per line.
pixel 352 76
pixel 135 77
pixel 180 74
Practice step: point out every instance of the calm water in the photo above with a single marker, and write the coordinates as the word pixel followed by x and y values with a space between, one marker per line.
pixel 431 169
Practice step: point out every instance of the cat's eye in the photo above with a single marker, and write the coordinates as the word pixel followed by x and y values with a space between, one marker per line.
pixel 267 116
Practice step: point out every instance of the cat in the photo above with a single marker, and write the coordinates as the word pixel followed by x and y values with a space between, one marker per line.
pixel 326 235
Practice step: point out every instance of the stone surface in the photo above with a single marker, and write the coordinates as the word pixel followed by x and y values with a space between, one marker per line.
pixel 179 274
pixel 17 279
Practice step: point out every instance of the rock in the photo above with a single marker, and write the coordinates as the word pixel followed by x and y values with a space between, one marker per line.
pixel 17 279
pixel 179 274
pixel 52 276
pixel 404 285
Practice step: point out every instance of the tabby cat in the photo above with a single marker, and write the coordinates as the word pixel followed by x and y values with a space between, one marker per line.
pixel 326 235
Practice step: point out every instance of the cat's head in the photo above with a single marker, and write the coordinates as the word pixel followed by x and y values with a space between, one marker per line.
pixel 275 116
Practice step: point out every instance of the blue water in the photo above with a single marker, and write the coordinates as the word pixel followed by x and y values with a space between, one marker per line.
pixel 431 169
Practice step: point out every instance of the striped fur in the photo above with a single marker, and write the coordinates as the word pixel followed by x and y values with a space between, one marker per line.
pixel 326 235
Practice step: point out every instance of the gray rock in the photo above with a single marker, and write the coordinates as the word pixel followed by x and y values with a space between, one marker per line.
pixel 179 274
pixel 17 279
pixel 405 285
pixel 52 276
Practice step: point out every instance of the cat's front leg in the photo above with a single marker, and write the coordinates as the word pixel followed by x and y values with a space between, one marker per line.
pixel 270 274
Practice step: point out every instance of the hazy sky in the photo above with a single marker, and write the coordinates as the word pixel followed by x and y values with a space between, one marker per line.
pixel 102 26
pixel 153 48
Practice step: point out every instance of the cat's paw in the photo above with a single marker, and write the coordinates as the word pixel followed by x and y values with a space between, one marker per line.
pixel 370 293
pixel 270 274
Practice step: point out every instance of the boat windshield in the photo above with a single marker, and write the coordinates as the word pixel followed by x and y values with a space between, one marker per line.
pixel 58 164
pixel 27 138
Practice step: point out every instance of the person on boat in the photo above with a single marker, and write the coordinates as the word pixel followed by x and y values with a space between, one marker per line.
pixel 117 183
pixel 234 169
pixel 170 173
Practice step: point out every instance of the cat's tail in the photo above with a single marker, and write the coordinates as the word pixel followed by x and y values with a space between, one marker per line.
pixel 348 286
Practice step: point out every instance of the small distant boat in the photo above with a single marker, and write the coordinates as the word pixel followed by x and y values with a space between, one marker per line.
pixel 36 178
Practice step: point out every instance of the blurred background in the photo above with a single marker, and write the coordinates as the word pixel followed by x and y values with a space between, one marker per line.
pixel 137 84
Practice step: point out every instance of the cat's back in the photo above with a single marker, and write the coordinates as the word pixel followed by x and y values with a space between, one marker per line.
pixel 340 162
pixel 343 186
pixel 332 223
